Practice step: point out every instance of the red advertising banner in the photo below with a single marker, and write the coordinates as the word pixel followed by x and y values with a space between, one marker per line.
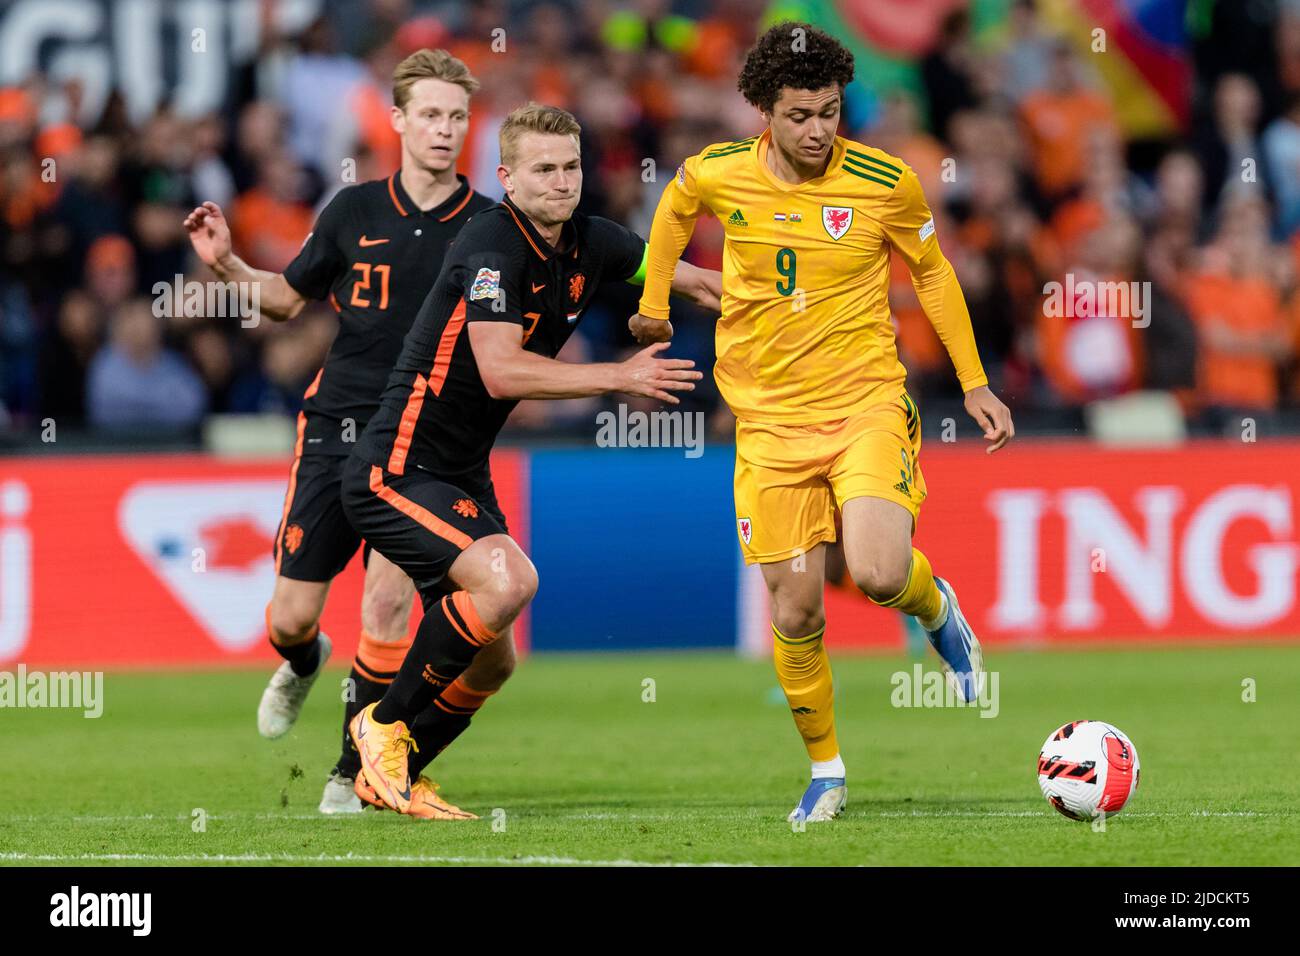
pixel 1064 542
pixel 161 560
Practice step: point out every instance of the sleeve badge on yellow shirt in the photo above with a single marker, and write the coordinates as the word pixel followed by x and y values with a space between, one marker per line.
pixel 837 220
pixel 927 230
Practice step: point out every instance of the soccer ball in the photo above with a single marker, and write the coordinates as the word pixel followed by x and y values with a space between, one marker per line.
pixel 1088 769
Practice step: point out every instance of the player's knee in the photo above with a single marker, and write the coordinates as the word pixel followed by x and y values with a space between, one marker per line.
pixel 797 620
pixel 291 622
pixel 880 581
pixel 508 591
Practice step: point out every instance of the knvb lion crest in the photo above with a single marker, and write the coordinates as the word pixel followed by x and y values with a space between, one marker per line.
pixel 837 220
pixel 575 286
pixel 465 508
pixel 293 538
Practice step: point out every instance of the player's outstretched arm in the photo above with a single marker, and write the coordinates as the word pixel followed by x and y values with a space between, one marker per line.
pixel 671 230
pixel 701 286
pixel 210 236
pixel 510 372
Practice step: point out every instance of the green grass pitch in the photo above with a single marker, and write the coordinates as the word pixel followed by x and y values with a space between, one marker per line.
pixel 580 769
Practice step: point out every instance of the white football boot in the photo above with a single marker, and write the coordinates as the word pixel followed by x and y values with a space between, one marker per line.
pixel 284 695
pixel 340 795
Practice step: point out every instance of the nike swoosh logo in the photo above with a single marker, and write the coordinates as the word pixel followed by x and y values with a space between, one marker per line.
pixel 405 794
pixel 539 288
pixel 372 242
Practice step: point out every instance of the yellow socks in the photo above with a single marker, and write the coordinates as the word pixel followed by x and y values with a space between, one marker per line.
pixel 804 671
pixel 920 597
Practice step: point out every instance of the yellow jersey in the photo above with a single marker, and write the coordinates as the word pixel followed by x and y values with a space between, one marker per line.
pixel 805 333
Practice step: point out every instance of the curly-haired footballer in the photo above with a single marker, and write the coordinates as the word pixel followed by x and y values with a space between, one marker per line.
pixel 807 361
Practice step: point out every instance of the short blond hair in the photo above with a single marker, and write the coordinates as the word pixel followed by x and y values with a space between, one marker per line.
pixel 534 118
pixel 429 64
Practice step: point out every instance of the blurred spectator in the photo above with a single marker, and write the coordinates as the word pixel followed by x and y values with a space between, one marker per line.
pixel 1228 146
pixel 135 382
pixel 1235 300
pixel 947 72
pixel 1062 121
pixel 1281 142
pixel 66 356
pixel 1090 347
pixel 270 221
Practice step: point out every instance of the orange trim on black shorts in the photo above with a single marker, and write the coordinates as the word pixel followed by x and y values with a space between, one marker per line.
pixel 288 495
pixel 415 512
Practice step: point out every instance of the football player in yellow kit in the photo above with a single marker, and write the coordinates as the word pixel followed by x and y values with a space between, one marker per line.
pixel 808 363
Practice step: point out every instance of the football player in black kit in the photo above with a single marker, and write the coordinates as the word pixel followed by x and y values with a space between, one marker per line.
pixel 418 488
pixel 374 254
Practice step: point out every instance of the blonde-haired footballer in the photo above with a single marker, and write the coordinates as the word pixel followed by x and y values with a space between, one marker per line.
pixel 807 361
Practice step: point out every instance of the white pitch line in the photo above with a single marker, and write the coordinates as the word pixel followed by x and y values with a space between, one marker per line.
pixel 334 858
pixel 537 816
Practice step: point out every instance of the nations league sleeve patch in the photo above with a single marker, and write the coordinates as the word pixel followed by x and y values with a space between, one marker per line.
pixel 487 284
pixel 926 231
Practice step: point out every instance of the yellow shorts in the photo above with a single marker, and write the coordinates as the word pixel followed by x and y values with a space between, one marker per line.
pixel 791 479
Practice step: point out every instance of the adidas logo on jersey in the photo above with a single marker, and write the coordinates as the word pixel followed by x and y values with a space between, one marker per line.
pixel 737 218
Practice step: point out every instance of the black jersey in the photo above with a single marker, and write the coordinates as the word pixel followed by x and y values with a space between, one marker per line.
pixel 374 255
pixel 436 413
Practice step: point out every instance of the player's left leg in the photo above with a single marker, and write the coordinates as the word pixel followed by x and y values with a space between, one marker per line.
pixel 386 603
pixel 879 487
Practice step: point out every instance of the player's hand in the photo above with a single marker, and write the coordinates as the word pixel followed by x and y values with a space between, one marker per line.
pixel 647 330
pixel 991 416
pixel 209 233
pixel 646 374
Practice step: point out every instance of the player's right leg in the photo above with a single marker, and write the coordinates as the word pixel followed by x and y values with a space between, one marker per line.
pixel 292 625
pixel 313 544
pixel 432 530
pixel 784 515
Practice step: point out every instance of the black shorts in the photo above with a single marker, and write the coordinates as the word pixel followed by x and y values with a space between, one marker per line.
pixel 315 541
pixel 420 521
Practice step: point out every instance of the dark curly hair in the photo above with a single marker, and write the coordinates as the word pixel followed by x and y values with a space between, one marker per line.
pixel 777 60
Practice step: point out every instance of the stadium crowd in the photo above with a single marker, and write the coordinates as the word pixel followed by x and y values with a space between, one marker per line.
pixel 1016 142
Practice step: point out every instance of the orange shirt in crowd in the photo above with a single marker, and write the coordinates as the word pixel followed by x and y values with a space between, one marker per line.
pixel 1247 305
pixel 1059 126
pixel 266 231
pixel 1085 357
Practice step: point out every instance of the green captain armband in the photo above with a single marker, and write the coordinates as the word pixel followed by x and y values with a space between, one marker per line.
pixel 638 278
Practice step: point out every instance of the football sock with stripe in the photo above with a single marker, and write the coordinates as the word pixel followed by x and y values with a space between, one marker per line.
pixel 303 657
pixel 449 636
pixel 804 670
pixel 920 596
pixel 374 668
pixel 442 723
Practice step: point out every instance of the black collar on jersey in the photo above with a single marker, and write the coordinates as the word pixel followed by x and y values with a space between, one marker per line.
pixel 447 209
pixel 568 234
